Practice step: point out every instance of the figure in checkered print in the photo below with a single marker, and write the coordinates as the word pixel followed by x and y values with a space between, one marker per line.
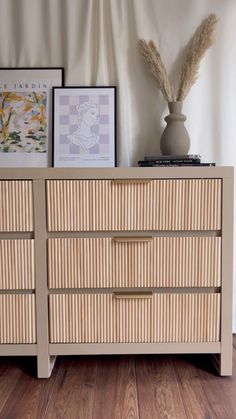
pixel 85 135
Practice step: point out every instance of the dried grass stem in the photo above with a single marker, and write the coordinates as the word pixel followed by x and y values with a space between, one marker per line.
pixel 155 65
pixel 201 41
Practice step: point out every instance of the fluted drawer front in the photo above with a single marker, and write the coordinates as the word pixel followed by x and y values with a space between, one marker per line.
pixel 79 262
pixel 107 318
pixel 17 264
pixel 180 204
pixel 16 206
pixel 106 205
pixel 69 205
pixel 134 262
pixel 17 319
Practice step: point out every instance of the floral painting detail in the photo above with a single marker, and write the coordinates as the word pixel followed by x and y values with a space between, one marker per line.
pixel 23 122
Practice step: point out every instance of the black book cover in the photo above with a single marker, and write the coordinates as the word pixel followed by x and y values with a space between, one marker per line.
pixel 186 164
pixel 170 161
pixel 182 157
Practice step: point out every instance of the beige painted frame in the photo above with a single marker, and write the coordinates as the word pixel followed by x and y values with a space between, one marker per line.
pixel 45 351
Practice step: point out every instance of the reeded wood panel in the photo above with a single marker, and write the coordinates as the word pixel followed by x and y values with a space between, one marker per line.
pixel 103 318
pixel 186 318
pixel 179 204
pixel 17 319
pixel 16 206
pixel 17 264
pixel 187 261
pixel 160 262
pixel 79 263
pixel 68 205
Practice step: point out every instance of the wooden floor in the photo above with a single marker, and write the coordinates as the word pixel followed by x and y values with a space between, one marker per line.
pixel 118 387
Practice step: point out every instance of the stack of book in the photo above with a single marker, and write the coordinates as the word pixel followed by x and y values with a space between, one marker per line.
pixel 173 160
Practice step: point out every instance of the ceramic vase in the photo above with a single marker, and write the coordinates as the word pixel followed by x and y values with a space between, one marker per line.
pixel 175 139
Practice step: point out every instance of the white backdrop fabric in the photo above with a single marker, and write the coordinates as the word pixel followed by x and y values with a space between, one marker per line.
pixel 96 42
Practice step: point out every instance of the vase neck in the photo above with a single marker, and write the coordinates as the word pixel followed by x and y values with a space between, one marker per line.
pixel 175 107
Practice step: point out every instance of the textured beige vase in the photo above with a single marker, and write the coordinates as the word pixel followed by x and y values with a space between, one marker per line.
pixel 175 139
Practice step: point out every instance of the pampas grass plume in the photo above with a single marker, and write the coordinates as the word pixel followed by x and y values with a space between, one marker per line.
pixel 155 65
pixel 201 41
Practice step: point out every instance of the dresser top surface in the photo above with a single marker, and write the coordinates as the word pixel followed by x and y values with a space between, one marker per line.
pixel 118 173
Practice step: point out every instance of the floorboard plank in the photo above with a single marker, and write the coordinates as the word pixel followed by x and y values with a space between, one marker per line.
pixel 117 387
pixel 9 374
pixel 116 391
pixel 17 392
pixel 220 391
pixel 158 390
pixel 73 391
pixel 29 396
pixel 195 373
pixel 33 398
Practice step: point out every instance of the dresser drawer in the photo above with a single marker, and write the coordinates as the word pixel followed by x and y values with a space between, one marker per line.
pixel 17 319
pixel 132 205
pixel 124 318
pixel 17 264
pixel 69 205
pixel 16 206
pixel 134 262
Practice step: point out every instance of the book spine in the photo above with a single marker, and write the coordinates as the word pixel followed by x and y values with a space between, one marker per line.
pixel 173 157
pixel 153 164
pixel 170 161
pixel 173 161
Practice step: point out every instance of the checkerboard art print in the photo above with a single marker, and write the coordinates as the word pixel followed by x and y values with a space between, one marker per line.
pixel 85 126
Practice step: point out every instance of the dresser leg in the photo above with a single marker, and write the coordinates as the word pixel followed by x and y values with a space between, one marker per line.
pixel 223 363
pixel 45 366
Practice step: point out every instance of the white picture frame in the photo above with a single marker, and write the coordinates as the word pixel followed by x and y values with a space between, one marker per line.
pixel 26 115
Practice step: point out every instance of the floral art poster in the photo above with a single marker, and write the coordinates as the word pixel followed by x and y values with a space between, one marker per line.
pixel 25 126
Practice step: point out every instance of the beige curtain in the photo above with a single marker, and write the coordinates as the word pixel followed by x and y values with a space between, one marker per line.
pixel 96 42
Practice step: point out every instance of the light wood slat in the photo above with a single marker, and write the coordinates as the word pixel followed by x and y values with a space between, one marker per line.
pixel 69 205
pixel 96 205
pixel 17 264
pixel 186 318
pixel 17 319
pixel 163 262
pixel 101 318
pixel 79 263
pixel 16 208
pixel 186 261
pixel 183 204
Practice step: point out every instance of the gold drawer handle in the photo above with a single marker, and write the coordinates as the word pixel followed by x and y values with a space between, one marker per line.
pixel 132 239
pixel 133 295
pixel 130 181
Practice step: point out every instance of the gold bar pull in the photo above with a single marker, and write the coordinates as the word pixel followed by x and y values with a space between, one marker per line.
pixel 130 181
pixel 136 295
pixel 132 239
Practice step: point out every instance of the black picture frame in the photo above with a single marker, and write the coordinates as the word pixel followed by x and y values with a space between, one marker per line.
pixel 84 126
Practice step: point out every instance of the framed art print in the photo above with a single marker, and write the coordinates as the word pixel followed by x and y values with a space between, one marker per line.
pixel 84 126
pixel 26 115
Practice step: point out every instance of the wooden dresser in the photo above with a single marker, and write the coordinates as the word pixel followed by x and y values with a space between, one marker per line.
pixel 123 260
